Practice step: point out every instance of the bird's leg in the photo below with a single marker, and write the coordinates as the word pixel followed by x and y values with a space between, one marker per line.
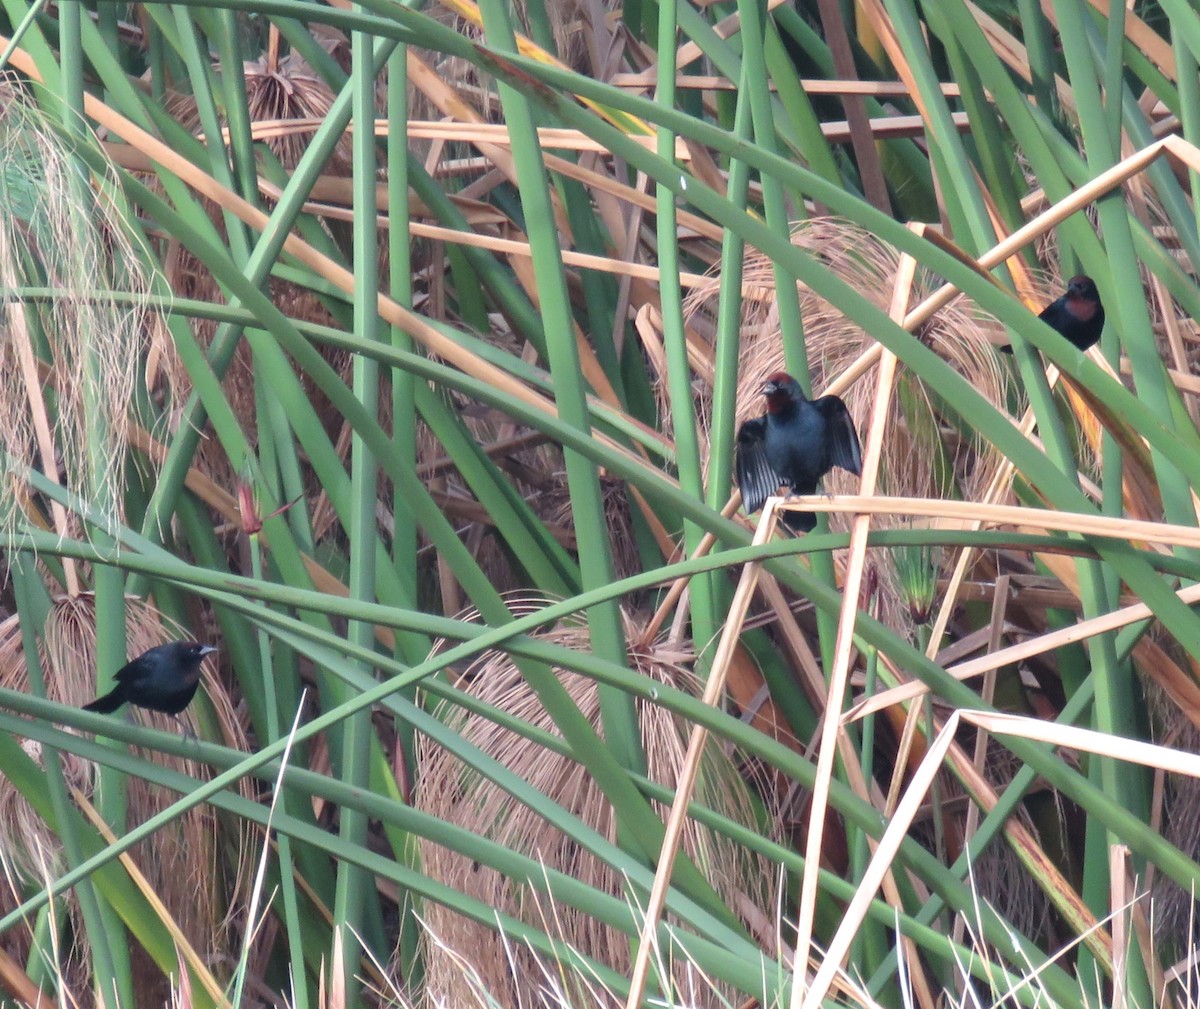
pixel 789 492
pixel 186 726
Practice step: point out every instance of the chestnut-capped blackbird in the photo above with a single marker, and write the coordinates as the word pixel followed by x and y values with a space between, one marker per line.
pixel 1078 314
pixel 161 679
pixel 795 443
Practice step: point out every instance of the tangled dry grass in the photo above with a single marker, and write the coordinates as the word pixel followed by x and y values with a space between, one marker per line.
pixel 460 795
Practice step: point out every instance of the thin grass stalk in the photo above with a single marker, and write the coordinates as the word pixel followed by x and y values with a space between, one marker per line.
pixel 237 118
pixel 70 54
pixel 804 129
pixel 400 288
pixel 199 64
pixel 354 898
pixel 997 174
pixel 295 942
pixel 726 351
pixel 787 297
pixel 870 944
pixel 35 9
pixel 726 355
pixel 287 879
pixel 705 614
pixel 1188 82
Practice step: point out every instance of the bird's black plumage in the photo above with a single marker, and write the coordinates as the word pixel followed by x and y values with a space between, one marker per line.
pixel 1078 314
pixel 161 679
pixel 794 444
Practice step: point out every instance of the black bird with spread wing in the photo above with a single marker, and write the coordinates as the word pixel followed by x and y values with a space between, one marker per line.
pixel 1078 314
pixel 161 679
pixel 794 444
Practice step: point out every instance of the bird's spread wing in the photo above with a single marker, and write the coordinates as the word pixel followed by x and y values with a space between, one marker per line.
pixel 755 476
pixel 844 449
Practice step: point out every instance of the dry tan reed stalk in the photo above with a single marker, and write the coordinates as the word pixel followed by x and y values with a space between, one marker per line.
pixel 1030 728
pixel 509 246
pixel 1043 644
pixel 714 688
pixel 555 138
pixel 16 982
pixel 186 951
pixel 1041 519
pixel 811 85
pixel 840 673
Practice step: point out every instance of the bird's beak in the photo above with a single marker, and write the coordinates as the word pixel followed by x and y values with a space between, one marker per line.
pixel 207 650
pixel 770 389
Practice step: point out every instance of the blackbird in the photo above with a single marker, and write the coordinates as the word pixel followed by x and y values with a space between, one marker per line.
pixel 162 679
pixel 1078 314
pixel 795 443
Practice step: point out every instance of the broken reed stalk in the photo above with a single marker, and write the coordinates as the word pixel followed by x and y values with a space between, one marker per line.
pixel 1040 645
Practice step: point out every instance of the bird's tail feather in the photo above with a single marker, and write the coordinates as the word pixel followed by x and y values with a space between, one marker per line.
pixel 799 522
pixel 106 704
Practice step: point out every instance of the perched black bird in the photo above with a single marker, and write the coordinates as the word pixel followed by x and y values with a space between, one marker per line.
pixel 162 679
pixel 795 443
pixel 1078 314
